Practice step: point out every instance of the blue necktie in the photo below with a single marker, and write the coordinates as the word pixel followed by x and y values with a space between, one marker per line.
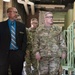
pixel 13 39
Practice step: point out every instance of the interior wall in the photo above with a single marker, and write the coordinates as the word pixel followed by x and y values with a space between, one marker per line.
pixel 6 5
pixel 74 11
pixel 68 18
pixel 1 10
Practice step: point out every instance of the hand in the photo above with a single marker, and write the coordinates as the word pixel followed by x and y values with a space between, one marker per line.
pixel 63 55
pixel 27 53
pixel 37 56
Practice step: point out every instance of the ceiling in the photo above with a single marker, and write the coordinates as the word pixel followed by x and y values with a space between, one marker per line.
pixel 46 5
pixel 64 2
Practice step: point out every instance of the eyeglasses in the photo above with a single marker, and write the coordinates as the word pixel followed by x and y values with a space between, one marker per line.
pixel 12 11
pixel 49 17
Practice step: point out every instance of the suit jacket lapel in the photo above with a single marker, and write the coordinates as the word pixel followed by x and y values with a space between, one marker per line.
pixel 7 27
pixel 7 31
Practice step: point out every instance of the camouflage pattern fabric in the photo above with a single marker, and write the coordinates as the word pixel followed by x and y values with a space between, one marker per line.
pixel 50 43
pixel 30 58
pixel 49 66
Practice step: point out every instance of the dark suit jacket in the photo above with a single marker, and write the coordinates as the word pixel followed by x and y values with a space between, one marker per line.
pixel 5 37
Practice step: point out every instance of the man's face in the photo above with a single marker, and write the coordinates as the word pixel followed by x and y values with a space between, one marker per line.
pixel 49 19
pixel 12 13
pixel 34 24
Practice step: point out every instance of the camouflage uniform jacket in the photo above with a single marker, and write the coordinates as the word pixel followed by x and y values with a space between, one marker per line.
pixel 30 35
pixel 30 38
pixel 49 41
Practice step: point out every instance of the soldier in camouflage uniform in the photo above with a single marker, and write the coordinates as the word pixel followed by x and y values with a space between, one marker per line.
pixel 49 47
pixel 30 60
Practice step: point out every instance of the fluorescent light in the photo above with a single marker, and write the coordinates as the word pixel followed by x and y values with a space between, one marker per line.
pixel 6 0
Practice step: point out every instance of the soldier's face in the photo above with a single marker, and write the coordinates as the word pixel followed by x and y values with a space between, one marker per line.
pixel 49 19
pixel 34 24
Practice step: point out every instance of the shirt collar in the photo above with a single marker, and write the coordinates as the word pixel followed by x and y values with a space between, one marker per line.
pixel 9 22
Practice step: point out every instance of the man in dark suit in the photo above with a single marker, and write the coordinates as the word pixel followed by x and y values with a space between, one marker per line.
pixel 13 41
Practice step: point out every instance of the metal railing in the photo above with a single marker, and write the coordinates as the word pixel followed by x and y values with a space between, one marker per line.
pixel 69 63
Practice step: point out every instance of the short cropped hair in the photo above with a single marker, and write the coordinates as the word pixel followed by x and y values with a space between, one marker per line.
pixel 11 8
pixel 46 13
pixel 34 20
pixel 8 10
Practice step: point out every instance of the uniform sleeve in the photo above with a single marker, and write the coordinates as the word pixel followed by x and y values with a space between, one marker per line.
pixel 29 40
pixel 62 43
pixel 29 43
pixel 36 43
